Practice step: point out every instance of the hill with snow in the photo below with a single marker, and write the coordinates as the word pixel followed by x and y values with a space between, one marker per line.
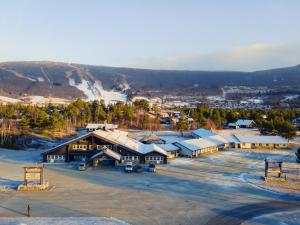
pixel 70 81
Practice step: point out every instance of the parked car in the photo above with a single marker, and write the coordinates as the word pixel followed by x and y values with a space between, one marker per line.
pixel 298 155
pixel 138 168
pixel 82 166
pixel 152 168
pixel 128 167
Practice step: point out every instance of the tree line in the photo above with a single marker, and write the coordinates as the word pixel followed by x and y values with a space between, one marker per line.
pixel 269 122
pixel 49 119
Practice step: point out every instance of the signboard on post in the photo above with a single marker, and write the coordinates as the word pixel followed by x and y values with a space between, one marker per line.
pixel 34 173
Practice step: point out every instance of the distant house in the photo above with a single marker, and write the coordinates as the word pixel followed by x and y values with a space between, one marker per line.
pixel 296 122
pixel 233 126
pixel 245 123
pixel 242 124
pixel 100 126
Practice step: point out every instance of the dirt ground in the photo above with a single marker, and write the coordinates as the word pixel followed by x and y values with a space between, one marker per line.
pixel 223 188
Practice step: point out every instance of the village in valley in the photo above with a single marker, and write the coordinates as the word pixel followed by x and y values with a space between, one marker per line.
pixel 175 162
pixel 149 112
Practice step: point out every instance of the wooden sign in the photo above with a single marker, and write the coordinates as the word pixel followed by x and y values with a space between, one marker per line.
pixel 34 173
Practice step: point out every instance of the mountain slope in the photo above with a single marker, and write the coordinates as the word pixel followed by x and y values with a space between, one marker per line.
pixel 86 81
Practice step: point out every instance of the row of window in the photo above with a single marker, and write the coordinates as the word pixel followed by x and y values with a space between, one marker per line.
pixel 154 158
pixel 91 147
pixel 133 158
pixel 56 157
pixel 80 147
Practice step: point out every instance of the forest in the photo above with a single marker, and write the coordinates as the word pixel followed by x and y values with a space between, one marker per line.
pixel 17 120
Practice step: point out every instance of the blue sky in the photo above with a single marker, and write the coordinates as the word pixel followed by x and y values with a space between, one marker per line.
pixel 160 34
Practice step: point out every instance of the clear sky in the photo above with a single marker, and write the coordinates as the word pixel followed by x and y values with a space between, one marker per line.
pixel 166 34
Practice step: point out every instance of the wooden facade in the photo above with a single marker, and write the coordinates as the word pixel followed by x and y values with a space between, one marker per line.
pixel 86 146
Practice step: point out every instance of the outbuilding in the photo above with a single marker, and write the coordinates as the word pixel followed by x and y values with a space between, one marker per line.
pixel 260 141
pixel 195 147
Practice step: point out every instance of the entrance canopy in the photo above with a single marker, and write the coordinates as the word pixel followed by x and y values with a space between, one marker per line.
pixel 108 152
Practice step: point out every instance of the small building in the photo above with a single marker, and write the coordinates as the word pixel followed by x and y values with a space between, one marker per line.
pixel 296 122
pixel 245 123
pixel 233 126
pixel 100 126
pixel 107 147
pixel 260 141
pixel 195 147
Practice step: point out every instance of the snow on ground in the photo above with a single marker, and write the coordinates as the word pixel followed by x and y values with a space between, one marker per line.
pixel 8 100
pixel 61 220
pixel 95 91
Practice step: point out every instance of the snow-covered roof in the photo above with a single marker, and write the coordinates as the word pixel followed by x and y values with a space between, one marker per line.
pixel 152 148
pixel 244 122
pixel 261 139
pixel 203 132
pixel 196 144
pixel 121 138
pixel 108 152
pixel 101 126
pixel 231 138
pixel 172 140
pixel 218 139
pixel 168 147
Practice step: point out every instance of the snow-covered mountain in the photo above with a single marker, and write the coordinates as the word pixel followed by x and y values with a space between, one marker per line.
pixel 67 80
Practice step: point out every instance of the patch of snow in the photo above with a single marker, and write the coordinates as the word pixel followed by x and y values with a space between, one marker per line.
pixel 95 91
pixel 8 100
pixel 124 86
pixel 289 97
pixel 61 220
pixel 40 79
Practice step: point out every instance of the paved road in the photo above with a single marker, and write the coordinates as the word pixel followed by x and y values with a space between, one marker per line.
pixel 241 214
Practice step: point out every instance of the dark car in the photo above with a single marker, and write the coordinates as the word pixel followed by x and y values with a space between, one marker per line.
pixel 138 168
pixel 152 168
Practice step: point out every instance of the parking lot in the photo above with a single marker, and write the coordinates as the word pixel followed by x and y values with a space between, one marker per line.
pixel 214 189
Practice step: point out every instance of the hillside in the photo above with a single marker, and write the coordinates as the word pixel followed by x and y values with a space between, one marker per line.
pixel 75 80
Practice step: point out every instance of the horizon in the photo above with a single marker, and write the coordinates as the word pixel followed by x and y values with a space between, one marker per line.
pixel 168 35
pixel 125 67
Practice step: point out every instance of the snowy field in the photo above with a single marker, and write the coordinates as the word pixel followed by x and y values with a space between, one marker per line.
pixel 213 189
pixel 60 220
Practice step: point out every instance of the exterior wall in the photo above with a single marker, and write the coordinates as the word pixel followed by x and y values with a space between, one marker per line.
pixel 154 158
pixel 83 149
pixel 245 145
pixel 261 145
pixel 186 152
pixel 206 150
pixel 173 154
